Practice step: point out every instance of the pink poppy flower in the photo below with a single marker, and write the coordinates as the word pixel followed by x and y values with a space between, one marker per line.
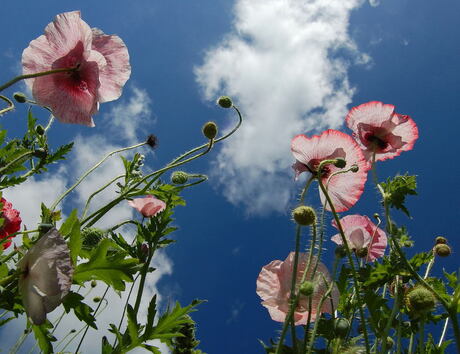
pixel 274 288
pixel 362 233
pixel 102 61
pixel 344 188
pixel 377 128
pixel 11 221
pixel 46 276
pixel 148 206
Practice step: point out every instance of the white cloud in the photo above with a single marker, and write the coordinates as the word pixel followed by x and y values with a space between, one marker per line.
pixel 374 3
pixel 128 116
pixel 280 64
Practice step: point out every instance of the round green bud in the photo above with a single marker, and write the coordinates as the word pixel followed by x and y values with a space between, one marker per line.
pixel 341 327
pixel 39 130
pixel 408 243
pixel 340 162
pixel 376 216
pixel 440 239
pixel 420 301
pixel 390 342
pixel 45 227
pixel 91 236
pixel 225 102
pixel 93 283
pixel 362 252
pixel 19 97
pixel 340 252
pixel 97 299
pixel 307 288
pixel 210 130
pixel 40 153
pixel 442 250
pixel 304 215
pixel 354 168
pixel 179 177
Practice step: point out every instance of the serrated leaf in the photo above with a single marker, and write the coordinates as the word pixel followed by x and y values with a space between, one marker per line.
pixel 452 279
pixel 397 189
pixel 114 271
pixel 106 348
pixel 44 337
pixel 82 311
pixel 59 154
pixel 152 311
pixel 420 258
pixel 71 229
pixel 133 326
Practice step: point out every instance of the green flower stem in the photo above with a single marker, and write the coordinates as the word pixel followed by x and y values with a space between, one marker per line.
pixel 144 272
pixel 8 279
pixel 203 178
pixel 113 228
pixel 87 326
pixel 57 201
pixel 421 340
pixel 392 315
pixel 16 160
pixel 444 330
pixel 350 260
pixel 318 311
pixel 398 337
pixel 124 309
pixel 10 105
pixel 50 121
pixel 411 344
pixel 30 76
pixel 305 189
pixel 292 295
pixel 85 210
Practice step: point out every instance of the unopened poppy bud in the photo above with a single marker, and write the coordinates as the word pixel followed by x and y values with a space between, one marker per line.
pixel 210 130
pixel 19 97
pixel 307 288
pixel 145 249
pixel 225 102
pixel 304 215
pixel 362 252
pixel 152 141
pixel 340 252
pixel 376 216
pixel 341 327
pixel 39 130
pixel 40 153
pixel 93 283
pixel 354 168
pixel 179 177
pixel 442 250
pixel 91 236
pixel 97 299
pixel 440 239
pixel 340 162
pixel 420 301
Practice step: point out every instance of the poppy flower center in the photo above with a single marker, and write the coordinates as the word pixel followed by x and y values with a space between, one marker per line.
pixel 376 141
pixel 314 165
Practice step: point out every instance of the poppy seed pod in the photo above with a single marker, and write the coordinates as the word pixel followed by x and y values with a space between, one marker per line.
pixel 341 327
pixel 304 215
pixel 442 250
pixel 225 102
pixel 440 239
pixel 340 163
pixel 210 130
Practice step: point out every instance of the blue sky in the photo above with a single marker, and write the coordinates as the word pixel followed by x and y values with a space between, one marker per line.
pixel 292 67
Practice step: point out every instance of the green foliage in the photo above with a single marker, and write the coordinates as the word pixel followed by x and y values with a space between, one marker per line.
pixel 83 312
pixel 114 269
pixel 397 189
pixel 44 337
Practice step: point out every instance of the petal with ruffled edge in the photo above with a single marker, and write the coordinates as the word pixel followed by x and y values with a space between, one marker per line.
pixel 395 132
pixel 47 276
pixel 117 70
pixel 61 36
pixel 344 188
pixel 148 206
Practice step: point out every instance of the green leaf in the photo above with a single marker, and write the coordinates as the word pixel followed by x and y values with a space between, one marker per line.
pixel 152 311
pixel 71 229
pixel 106 347
pixel 133 327
pixel 452 279
pixel 114 270
pixel 397 189
pixel 3 270
pixel 59 154
pixel 82 311
pixel 44 337
pixel 420 258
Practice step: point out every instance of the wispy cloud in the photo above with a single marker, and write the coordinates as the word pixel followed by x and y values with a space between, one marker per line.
pixel 282 66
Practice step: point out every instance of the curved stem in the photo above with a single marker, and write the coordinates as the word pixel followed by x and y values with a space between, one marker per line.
pixel 85 210
pixel 57 201
pixel 444 330
pixel 10 105
pixel 392 315
pixel 350 260
pixel 30 76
